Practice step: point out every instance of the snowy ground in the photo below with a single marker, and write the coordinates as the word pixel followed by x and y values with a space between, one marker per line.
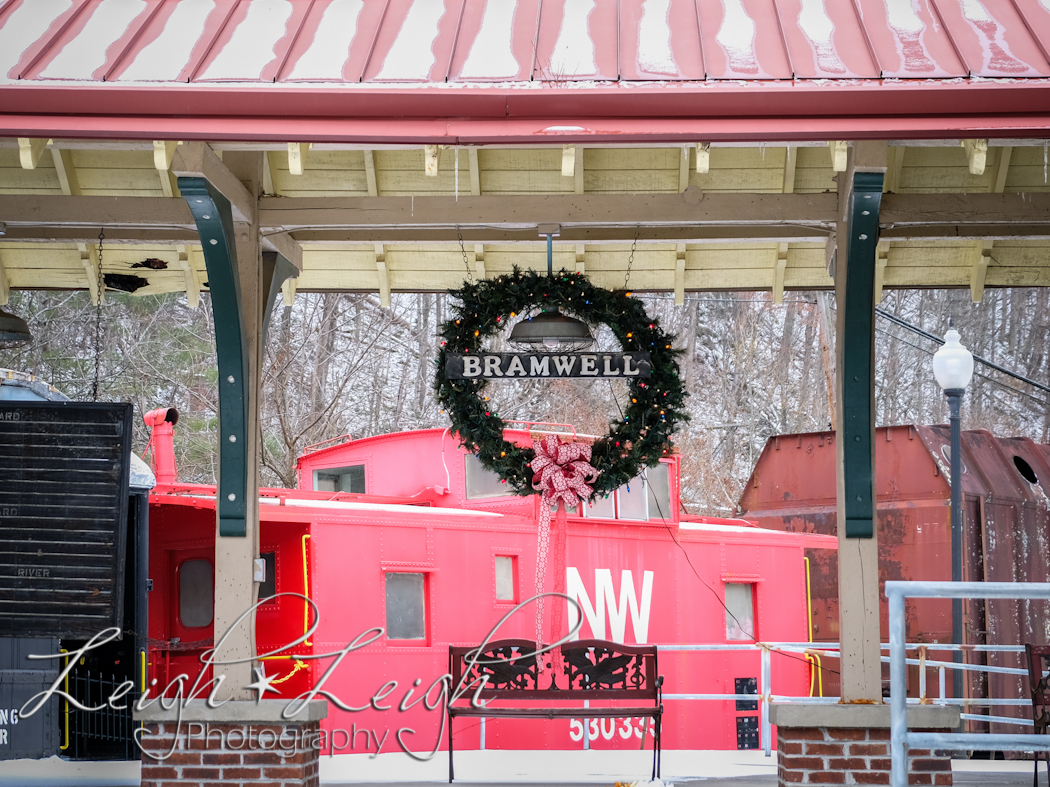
pixel 518 768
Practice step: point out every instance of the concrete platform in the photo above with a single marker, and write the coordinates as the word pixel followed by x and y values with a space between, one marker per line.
pixel 514 768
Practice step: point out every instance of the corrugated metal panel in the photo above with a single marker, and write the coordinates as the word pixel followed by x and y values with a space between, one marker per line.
pixel 434 41
pixel 63 514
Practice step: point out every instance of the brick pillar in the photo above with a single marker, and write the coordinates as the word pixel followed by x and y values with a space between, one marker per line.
pixel 236 742
pixel 842 745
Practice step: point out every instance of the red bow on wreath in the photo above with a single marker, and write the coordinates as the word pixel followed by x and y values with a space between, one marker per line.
pixel 562 474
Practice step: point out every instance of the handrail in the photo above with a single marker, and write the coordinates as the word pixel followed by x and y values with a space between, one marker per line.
pixel 900 738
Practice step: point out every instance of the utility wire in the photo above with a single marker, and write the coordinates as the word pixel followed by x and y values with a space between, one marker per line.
pixel 933 338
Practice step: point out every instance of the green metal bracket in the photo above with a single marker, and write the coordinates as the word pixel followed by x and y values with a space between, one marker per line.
pixel 862 229
pixel 276 269
pixel 211 211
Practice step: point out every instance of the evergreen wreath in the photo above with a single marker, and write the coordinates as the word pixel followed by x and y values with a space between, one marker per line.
pixel 638 439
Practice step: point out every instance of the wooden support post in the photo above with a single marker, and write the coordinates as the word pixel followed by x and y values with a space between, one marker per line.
pixel 703 157
pixel 827 351
pixel 838 155
pixel 979 271
pixel 30 151
pixel 193 287
pixel 778 273
pixel 789 170
pixel 683 169
pixel 479 260
pixel 235 276
pixel 861 189
pixel 297 157
pixel 1002 169
pixel 679 275
pixel 370 173
pixel 976 154
pixel 475 172
pixel 882 258
pixel 430 160
pixel 384 278
pixel 67 173
pixel 568 161
pixel 581 255
pixel 5 287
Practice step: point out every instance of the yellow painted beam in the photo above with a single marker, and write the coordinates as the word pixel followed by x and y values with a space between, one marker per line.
pixel 163 151
pixel 838 155
pixel 1002 169
pixel 976 154
pixel 30 151
pixel 370 173
pixel 5 290
pixel 288 291
pixel 979 273
pixel 193 287
pixel 430 160
pixel 384 276
pixel 297 157
pixel 789 170
pixel 679 274
pixel 475 172
pixel 779 271
pixel 703 157
pixel 67 173
pixel 568 161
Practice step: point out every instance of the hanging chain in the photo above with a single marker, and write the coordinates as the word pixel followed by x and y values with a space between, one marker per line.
pixel 630 260
pixel 98 319
pixel 462 248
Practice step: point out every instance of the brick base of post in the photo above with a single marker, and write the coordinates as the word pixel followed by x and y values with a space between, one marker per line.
pixel 841 756
pixel 839 745
pixel 236 743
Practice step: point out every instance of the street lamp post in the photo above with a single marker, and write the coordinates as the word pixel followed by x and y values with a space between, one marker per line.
pixel 953 368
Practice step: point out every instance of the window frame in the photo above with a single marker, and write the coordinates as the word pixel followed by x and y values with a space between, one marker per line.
pixel 425 640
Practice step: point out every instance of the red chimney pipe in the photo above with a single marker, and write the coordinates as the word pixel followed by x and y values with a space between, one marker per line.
pixel 162 421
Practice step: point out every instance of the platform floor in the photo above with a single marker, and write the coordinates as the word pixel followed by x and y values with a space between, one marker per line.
pixel 512 768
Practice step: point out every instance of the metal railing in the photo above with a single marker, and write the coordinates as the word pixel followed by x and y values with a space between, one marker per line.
pixel 900 738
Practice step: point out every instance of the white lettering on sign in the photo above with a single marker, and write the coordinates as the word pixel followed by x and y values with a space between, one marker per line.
pixel 563 363
pixel 605 599
pixel 629 369
pixel 587 365
pixel 34 572
pixel 492 366
pixel 471 365
pixel 3 737
pixel 10 415
pixel 516 368
pixel 540 365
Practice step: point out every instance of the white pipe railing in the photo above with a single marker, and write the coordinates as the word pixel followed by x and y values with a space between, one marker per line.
pixel 900 738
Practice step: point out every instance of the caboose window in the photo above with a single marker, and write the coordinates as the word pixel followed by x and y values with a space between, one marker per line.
pixel 645 497
pixel 341 479
pixel 740 611
pixel 268 588
pixel 405 606
pixel 195 593
pixel 658 487
pixel 482 482
pixel 505 584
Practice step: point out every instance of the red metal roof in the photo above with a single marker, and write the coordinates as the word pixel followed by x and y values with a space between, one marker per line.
pixel 553 59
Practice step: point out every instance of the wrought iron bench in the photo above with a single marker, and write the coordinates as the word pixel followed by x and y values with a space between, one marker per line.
pixel 593 669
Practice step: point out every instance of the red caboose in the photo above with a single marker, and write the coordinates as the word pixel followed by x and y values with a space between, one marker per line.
pixel 407 545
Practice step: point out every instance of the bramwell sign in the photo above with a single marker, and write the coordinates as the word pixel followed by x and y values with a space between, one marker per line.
pixel 494 366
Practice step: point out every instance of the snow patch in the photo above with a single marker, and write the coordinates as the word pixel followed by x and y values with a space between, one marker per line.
pixel 573 53
pixel 250 48
pixel 654 39
pixel 817 25
pixel 163 59
pixel 737 37
pixel 25 27
pixel 331 45
pixel 84 54
pixel 903 17
pixel 412 55
pixel 492 53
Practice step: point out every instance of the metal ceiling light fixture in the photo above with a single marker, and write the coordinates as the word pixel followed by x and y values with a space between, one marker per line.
pixel 13 328
pixel 551 330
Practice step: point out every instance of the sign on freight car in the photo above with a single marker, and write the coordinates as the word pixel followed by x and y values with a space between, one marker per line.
pixel 496 366
pixel 63 516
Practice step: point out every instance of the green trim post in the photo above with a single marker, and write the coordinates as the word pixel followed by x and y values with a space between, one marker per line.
pixel 211 211
pixel 862 229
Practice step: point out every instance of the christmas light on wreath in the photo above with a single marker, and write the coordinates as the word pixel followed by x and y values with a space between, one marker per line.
pixel 636 440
